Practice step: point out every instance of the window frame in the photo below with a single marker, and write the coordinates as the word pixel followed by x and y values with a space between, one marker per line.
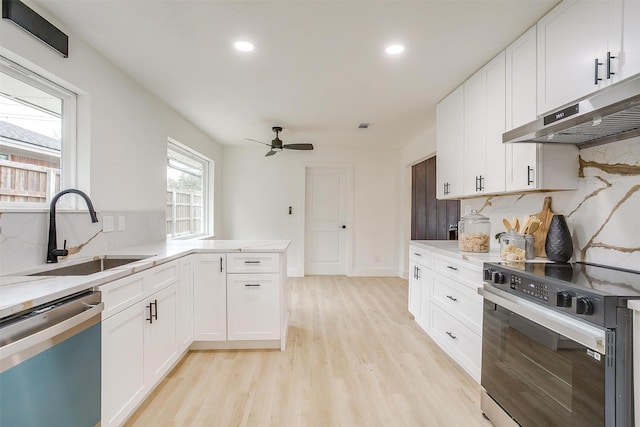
pixel 207 186
pixel 69 137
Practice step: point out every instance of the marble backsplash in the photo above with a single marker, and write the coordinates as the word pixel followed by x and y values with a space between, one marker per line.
pixel 603 213
pixel 23 235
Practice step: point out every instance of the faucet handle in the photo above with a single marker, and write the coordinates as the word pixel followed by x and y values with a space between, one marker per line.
pixel 64 245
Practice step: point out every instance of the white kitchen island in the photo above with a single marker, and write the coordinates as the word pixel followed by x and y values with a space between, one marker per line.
pixel 175 296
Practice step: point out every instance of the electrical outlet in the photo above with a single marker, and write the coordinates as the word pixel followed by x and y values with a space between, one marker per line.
pixel 121 224
pixel 107 223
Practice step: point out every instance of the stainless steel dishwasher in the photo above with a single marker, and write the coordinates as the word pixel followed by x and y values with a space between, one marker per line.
pixel 50 364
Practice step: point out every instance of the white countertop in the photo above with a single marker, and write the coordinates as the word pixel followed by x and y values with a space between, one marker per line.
pixel 634 305
pixel 450 248
pixel 20 292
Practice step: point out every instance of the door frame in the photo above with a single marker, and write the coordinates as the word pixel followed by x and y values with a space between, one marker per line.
pixel 349 206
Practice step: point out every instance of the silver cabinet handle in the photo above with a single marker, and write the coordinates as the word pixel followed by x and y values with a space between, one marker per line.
pixel 252 262
pixel 452 298
pixel 453 337
pixel 417 254
pixel 252 285
pixel 452 267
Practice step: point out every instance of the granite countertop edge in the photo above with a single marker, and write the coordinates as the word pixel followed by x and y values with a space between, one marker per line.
pixel 19 292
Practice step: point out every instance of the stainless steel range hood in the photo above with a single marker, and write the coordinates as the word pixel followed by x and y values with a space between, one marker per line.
pixel 609 115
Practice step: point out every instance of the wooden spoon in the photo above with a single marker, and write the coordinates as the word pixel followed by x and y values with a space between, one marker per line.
pixel 533 227
pixel 516 225
pixel 507 224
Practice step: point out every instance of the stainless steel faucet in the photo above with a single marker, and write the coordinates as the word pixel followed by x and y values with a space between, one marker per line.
pixel 52 246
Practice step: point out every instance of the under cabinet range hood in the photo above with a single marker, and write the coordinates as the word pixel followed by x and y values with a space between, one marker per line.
pixel 611 114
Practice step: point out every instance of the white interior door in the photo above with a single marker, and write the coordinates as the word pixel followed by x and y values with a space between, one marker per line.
pixel 326 214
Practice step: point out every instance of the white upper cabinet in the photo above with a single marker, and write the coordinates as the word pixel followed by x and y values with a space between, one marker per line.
pixel 584 46
pixel 449 138
pixel 629 62
pixel 531 166
pixel 484 122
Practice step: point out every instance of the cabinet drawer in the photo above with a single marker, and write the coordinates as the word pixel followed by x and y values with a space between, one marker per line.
pixel 122 293
pixel 253 263
pixel 458 300
pixel 253 306
pixel 420 255
pixel 458 341
pixel 161 276
pixel 468 274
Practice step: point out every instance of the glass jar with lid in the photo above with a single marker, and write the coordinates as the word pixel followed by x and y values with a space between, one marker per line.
pixel 513 247
pixel 473 233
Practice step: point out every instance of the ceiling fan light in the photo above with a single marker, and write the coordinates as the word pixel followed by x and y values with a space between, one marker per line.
pixel 394 49
pixel 244 46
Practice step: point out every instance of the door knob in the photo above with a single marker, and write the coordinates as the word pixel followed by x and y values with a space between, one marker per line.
pixel 344 226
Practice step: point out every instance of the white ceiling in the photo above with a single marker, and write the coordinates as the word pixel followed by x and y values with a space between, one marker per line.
pixel 319 67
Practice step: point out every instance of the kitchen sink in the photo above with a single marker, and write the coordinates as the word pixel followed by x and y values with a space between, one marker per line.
pixel 89 267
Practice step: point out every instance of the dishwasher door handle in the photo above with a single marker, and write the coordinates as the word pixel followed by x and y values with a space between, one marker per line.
pixel 16 352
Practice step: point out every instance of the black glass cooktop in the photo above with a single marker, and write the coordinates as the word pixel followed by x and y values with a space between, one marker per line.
pixel 600 279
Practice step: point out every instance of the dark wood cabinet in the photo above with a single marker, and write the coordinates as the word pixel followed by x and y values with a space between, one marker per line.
pixel 430 218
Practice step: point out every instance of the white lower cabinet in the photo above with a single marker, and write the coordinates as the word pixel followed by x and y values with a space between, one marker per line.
pixel 123 385
pixel 185 303
pixel 420 285
pixel 240 300
pixel 139 338
pixel 253 307
pixel 160 338
pixel 450 309
pixel 210 297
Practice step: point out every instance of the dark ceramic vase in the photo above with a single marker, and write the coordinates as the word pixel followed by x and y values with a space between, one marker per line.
pixel 559 246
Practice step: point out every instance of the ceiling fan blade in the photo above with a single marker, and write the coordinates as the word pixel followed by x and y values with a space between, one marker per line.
pixel 270 153
pixel 298 146
pixel 259 142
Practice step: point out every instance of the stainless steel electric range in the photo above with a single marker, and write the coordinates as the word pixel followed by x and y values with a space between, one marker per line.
pixel 557 344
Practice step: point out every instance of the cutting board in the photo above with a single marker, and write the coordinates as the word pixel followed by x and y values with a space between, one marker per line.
pixel 540 235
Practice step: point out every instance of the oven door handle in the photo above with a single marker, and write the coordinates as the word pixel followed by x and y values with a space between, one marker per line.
pixel 589 336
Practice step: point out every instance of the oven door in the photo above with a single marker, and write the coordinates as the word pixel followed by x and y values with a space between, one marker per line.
pixel 544 368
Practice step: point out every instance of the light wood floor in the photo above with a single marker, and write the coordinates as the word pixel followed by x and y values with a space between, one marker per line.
pixel 354 358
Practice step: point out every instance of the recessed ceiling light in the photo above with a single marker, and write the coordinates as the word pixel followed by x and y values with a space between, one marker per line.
pixel 394 49
pixel 244 46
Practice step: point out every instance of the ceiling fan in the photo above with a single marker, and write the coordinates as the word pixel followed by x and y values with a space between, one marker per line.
pixel 277 145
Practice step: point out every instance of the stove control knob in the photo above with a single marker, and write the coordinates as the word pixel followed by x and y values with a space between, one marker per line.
pixel 498 277
pixel 563 299
pixel 584 306
pixel 488 274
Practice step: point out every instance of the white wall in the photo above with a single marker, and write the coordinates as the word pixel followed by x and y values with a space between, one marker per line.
pixel 122 128
pixel 258 192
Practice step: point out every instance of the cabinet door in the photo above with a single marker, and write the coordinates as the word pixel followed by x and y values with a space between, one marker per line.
pixel 570 39
pixel 185 303
pixel 160 339
pixel 253 303
pixel 449 138
pixel 475 129
pixel 414 290
pixel 123 383
pixel 425 283
pixel 210 297
pixel 494 75
pixel 628 60
pixel 521 159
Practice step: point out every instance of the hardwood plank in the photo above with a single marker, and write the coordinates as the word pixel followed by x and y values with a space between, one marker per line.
pixel 354 358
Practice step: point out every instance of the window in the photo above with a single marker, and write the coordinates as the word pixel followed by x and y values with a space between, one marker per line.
pixel 37 138
pixel 187 192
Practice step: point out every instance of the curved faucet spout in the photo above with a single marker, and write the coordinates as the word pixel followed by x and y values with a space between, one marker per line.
pixel 52 246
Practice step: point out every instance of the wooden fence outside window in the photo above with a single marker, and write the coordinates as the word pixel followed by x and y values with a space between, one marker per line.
pixel 184 213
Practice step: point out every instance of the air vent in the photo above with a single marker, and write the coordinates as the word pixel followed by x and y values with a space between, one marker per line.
pixel 364 125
